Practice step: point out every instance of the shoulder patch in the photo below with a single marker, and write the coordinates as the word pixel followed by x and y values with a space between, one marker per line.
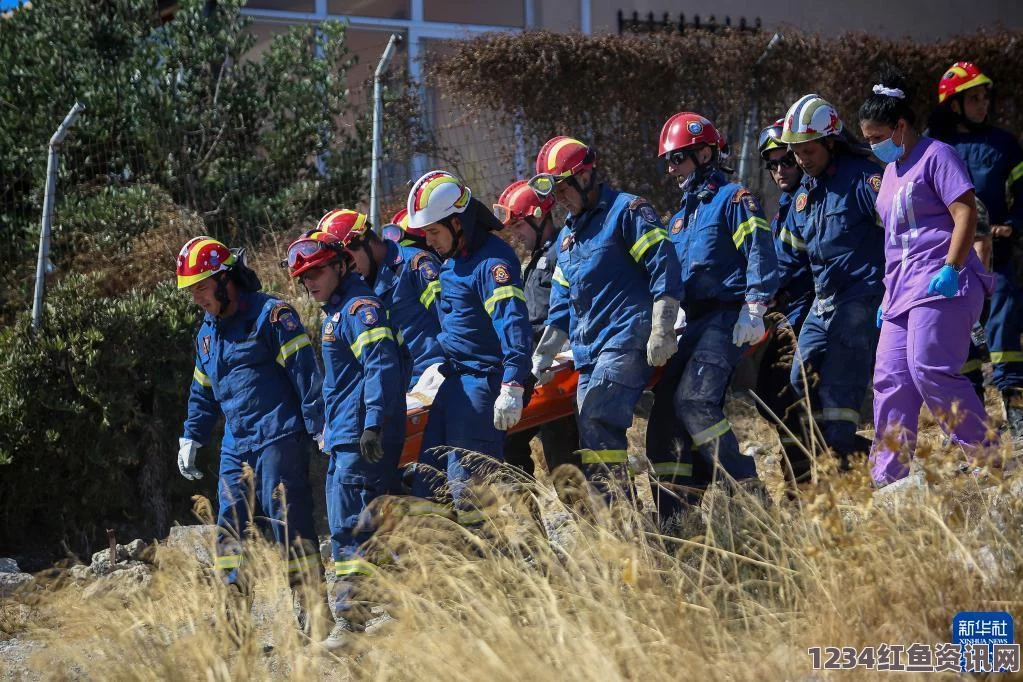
pixel 426 265
pixel 501 273
pixel 676 226
pixel 747 198
pixel 284 315
pixel 800 202
pixel 739 194
pixel 645 209
pixel 328 332
pixel 360 302
pixel 875 182
pixel 368 315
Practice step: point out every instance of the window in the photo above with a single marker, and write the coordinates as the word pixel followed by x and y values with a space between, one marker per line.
pixel 511 13
pixel 383 9
pixel 285 5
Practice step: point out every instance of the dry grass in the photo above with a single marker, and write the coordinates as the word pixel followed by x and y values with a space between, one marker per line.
pixel 549 590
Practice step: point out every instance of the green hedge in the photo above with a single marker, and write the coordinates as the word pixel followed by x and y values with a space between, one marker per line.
pixel 90 412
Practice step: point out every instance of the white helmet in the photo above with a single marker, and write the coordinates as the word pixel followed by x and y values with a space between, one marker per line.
pixel 810 118
pixel 435 196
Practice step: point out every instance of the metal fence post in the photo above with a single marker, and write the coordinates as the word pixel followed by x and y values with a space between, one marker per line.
pixel 378 115
pixel 749 125
pixel 48 199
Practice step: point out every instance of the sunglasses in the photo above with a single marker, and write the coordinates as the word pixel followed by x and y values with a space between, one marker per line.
pixel 787 161
pixel 679 156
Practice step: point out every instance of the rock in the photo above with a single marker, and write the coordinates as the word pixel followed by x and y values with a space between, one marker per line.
pixel 913 487
pixel 9 566
pixel 101 561
pixel 132 578
pixel 134 549
pixel 80 573
pixel 197 541
pixel 12 582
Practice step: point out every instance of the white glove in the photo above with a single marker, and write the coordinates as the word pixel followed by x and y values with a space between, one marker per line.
pixel 680 321
pixel 186 459
pixel 508 407
pixel 662 343
pixel 429 381
pixel 551 342
pixel 320 442
pixel 749 328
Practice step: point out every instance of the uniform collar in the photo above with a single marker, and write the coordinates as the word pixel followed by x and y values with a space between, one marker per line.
pixel 337 298
pixel 393 257
pixel 605 199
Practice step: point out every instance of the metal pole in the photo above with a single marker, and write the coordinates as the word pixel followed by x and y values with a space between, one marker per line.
pixel 751 116
pixel 48 198
pixel 378 115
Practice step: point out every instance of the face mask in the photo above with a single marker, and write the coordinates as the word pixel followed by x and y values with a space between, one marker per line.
pixel 887 151
pixel 685 183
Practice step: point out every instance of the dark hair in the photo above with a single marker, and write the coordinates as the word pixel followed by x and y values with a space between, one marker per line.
pixel 888 108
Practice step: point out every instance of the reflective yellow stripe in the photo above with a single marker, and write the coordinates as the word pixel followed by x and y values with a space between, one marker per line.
pixel 971 366
pixel 559 276
pixel 1006 356
pixel 791 239
pixel 710 433
pixel 370 336
pixel 228 561
pixel 470 518
pixel 838 414
pixel 353 567
pixel 423 508
pixel 501 293
pixel 292 347
pixel 308 562
pixel 747 227
pixel 201 378
pixel 1016 174
pixel 672 469
pixel 646 241
pixel 604 456
pixel 429 294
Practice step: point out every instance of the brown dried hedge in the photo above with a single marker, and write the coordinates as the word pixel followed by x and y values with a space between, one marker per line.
pixel 615 91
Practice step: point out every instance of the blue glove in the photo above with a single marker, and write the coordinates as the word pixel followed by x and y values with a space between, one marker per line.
pixel 880 312
pixel 946 282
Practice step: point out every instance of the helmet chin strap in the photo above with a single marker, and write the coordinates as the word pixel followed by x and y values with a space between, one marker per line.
pixel 455 238
pixel 584 192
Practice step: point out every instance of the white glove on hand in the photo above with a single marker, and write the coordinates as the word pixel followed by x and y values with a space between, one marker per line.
pixel 186 459
pixel 429 381
pixel 749 328
pixel 508 407
pixel 551 343
pixel 680 322
pixel 662 343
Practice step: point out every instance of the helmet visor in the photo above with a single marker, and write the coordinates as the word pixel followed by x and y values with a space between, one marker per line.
pixel 543 184
pixel 392 232
pixel 503 213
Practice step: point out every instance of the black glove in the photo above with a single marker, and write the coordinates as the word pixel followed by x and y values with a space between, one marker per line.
pixel 370 445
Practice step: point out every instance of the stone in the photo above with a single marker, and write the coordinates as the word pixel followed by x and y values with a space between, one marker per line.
pixel 132 578
pixel 12 582
pixel 197 541
pixel 101 561
pixel 134 549
pixel 9 566
pixel 80 573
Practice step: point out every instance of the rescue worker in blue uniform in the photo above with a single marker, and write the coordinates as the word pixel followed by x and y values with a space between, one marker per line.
pixel 792 305
pixel 995 161
pixel 833 214
pixel 485 335
pixel 729 272
pixel 254 362
pixel 365 374
pixel 529 218
pixel 405 278
pixel 616 294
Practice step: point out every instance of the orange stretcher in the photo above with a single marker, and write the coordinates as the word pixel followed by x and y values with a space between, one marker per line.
pixel 553 400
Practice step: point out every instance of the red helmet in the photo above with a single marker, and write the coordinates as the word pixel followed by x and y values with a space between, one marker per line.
pixel 201 258
pixel 313 249
pixel 960 77
pixel 345 224
pixel 686 129
pixel 564 156
pixel 518 201
pixel 401 220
